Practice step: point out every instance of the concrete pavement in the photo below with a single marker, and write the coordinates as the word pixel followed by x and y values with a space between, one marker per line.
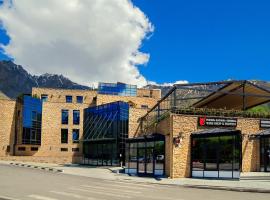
pixel 250 182
pixel 19 183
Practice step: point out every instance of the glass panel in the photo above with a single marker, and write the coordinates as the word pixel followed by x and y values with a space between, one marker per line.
pixel 133 158
pixel 76 117
pixel 64 116
pixel 68 99
pixel 159 155
pixel 211 152
pixel 141 160
pixel 149 161
pixel 226 149
pixel 197 154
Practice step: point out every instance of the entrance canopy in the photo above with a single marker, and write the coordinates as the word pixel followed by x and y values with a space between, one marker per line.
pixel 237 95
pixel 263 133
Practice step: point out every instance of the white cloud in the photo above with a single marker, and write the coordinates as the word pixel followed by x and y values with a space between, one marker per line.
pixel 85 40
pixel 168 84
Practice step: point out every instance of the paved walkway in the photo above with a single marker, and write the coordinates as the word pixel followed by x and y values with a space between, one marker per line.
pixel 253 181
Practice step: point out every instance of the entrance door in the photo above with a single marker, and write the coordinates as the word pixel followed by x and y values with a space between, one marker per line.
pixel 265 154
pixel 145 161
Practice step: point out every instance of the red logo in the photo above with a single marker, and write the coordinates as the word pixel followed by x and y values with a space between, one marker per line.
pixel 202 121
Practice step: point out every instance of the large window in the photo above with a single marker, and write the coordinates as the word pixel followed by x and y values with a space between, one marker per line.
pixel 32 112
pixel 145 156
pixel 216 156
pixel 76 117
pixel 64 136
pixel 75 135
pixel 265 153
pixel 64 116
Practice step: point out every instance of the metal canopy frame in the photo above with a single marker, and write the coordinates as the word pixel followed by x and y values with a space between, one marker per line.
pixel 242 95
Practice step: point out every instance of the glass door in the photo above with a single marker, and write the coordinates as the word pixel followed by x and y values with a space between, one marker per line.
pixel 265 154
pixel 141 161
pixel 145 161
pixel 149 160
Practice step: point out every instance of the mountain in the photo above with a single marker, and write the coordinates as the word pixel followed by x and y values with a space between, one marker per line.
pixel 14 80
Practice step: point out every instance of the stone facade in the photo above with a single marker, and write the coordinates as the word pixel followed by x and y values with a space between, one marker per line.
pixel 178 158
pixel 7 124
pixel 51 149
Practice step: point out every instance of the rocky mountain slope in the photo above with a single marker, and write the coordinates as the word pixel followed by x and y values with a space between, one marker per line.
pixel 14 80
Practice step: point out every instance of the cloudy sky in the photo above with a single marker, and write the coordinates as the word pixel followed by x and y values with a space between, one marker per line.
pixel 137 41
pixel 87 41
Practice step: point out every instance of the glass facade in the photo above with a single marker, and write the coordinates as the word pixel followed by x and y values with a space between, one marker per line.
pixel 32 112
pixel 216 156
pixel 105 133
pixel 119 89
pixel 145 156
pixel 265 153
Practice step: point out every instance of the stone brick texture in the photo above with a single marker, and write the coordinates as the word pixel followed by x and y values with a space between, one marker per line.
pixel 7 126
pixel 50 149
pixel 178 157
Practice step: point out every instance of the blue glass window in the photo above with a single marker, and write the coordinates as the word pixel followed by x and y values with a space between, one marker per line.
pixel 69 99
pixel 75 135
pixel 64 116
pixel 76 117
pixel 79 99
pixel 44 97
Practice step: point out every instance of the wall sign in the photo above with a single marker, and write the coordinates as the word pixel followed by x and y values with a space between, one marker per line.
pixel 214 121
pixel 265 123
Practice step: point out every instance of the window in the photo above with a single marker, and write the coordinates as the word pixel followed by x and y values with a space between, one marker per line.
pixel 64 149
pixel 79 99
pixel 75 149
pixel 75 135
pixel 76 117
pixel 21 148
pixel 64 116
pixel 44 97
pixel 34 148
pixel 68 99
pixel 144 106
pixel 64 136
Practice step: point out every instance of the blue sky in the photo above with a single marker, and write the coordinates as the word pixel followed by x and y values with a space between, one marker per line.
pixel 204 40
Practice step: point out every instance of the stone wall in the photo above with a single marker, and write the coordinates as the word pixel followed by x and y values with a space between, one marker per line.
pixel 188 124
pixel 59 95
pixel 7 126
pixel 153 93
pixel 135 102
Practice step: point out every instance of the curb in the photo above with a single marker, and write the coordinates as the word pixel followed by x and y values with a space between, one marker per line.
pixel 49 169
pixel 234 189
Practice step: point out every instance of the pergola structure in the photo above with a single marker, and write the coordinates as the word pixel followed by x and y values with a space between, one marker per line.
pixel 236 95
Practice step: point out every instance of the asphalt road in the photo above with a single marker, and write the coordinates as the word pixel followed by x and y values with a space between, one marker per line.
pixel 33 184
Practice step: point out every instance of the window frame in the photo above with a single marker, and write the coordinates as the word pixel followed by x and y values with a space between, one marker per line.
pixel 77 99
pixel 64 140
pixel 76 119
pixel 63 121
pixel 69 98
